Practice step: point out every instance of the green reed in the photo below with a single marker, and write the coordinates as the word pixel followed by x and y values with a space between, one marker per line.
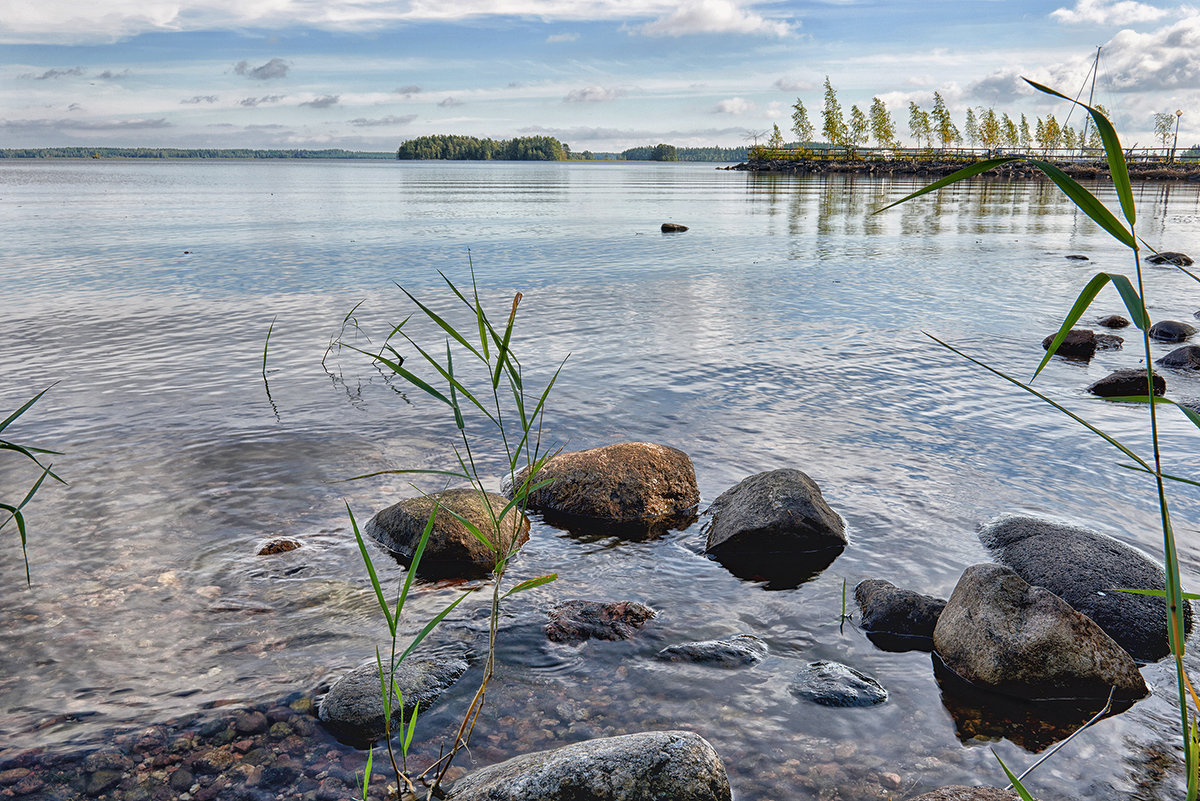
pixel 1133 296
pixel 14 510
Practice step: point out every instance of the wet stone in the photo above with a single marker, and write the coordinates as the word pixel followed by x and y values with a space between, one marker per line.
pixel 102 780
pixel 834 684
pixel 278 546
pixel 1114 321
pixel 250 722
pixel 181 780
pixel 576 620
pixel 735 651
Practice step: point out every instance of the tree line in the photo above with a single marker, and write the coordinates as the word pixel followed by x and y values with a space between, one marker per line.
pixel 454 147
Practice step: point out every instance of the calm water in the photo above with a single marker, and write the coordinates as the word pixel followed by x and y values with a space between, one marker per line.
pixel 784 329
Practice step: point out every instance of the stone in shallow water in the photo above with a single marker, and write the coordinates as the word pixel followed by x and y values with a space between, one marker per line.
pixel 735 651
pixel 834 684
pixel 1185 358
pixel 1171 331
pixel 353 707
pixel 1126 383
pixel 1114 321
pixel 960 792
pixel 577 620
pixel 1079 343
pixel 887 609
pixel 1170 257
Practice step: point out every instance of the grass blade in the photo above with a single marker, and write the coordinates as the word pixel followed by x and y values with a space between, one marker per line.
pixel 502 354
pixel 1013 780
pixel 1087 203
pixel 1167 476
pixel 450 473
pixel 266 344
pixel 474 529
pixel 24 408
pixel 458 418
pixel 454 384
pixel 529 584
pixel 15 514
pixel 405 374
pixel 383 691
pixel 430 625
pixel 416 559
pixel 1132 302
pixel 362 549
pixel 412 729
pixel 1191 596
pixel 445 326
pixel 954 177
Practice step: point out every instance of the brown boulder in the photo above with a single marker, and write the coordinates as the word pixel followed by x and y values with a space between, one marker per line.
pixel 453 550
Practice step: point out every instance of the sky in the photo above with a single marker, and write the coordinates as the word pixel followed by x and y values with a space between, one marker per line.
pixel 600 75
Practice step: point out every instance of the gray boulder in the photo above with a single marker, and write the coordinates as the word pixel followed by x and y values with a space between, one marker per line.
pixel 735 651
pixel 1171 331
pixel 1185 358
pixel 353 707
pixel 1126 383
pixel 774 515
pixel 960 792
pixel 452 549
pixel 834 684
pixel 648 766
pixel 577 620
pixel 887 609
pixel 1000 633
pixel 1084 568
pixel 629 482
pixel 1170 257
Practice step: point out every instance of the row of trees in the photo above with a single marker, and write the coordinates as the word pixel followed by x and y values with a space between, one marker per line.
pixel 524 148
pixel 933 127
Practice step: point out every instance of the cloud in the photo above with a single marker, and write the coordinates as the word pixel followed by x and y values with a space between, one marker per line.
pixel 109 75
pixel 593 94
pixel 450 102
pixel 52 74
pixel 85 125
pixel 1108 12
pixel 251 102
pixel 1001 86
pixel 74 107
pixel 714 16
pixel 391 120
pixel 786 84
pixel 323 102
pixel 202 99
pixel 562 37
pixel 407 91
pixel 275 68
pixel 1168 58
pixel 734 105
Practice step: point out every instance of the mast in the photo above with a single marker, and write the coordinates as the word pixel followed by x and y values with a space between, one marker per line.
pixel 1091 94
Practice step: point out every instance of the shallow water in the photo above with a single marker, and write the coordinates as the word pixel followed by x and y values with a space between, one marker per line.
pixel 786 328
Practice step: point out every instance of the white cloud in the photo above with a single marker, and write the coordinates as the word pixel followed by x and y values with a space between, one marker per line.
pixel 735 105
pixel 562 37
pixel 714 16
pixel 593 94
pixel 390 121
pixel 1168 58
pixel 275 68
pixel 786 84
pixel 1108 12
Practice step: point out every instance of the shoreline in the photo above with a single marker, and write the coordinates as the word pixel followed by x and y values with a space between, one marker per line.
pixel 1138 171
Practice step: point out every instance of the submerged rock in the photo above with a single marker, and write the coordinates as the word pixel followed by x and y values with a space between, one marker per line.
pixel 1171 331
pixel 1126 383
pixel 834 684
pixel 452 549
pixel 1170 257
pixel 1083 568
pixel 628 482
pixel 1114 321
pixel 1109 342
pixel 961 792
pixel 278 545
pixel 353 707
pixel 1079 343
pixel 887 609
pixel 648 766
pixel 669 227
pixel 1077 257
pixel 1185 358
pixel 999 632
pixel 735 651
pixel 576 620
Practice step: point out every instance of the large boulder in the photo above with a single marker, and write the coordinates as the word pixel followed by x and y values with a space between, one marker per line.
pixel 887 609
pixel 452 550
pixel 1184 358
pixel 1084 569
pixel 353 707
pixel 577 620
pixel 773 515
pixel 1171 331
pixel 648 766
pixel 638 483
pixel 1126 383
pixel 999 632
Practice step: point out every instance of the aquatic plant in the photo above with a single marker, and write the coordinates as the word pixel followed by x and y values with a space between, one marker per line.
pixel 511 410
pixel 14 509
pixel 1134 298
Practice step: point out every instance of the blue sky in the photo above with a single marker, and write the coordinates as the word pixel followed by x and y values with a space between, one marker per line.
pixel 598 74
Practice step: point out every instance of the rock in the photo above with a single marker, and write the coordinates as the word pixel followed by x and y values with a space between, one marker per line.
pixel 1082 567
pixel 1171 331
pixel 834 684
pixel 1185 358
pixel 773 515
pixel 960 792
pixel 577 620
pixel 1114 321
pixel 890 610
pixel 353 707
pixel 999 632
pixel 735 651
pixel 1077 257
pixel 648 766
pixel 630 482
pixel 1079 343
pixel 1109 342
pixel 669 228
pixel 1170 257
pixel 250 721
pixel 452 549
pixel 1126 383
pixel 181 780
pixel 278 545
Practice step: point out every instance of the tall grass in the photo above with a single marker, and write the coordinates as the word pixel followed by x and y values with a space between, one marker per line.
pixel 1133 295
pixel 14 510
pixel 494 398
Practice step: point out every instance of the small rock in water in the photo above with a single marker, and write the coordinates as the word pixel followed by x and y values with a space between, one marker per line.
pixel 1171 331
pixel 960 792
pixel 577 620
pixel 1185 358
pixel 1109 342
pixel 834 684
pixel 735 651
pixel 1126 383
pixel 1078 257
pixel 890 610
pixel 1170 257
pixel 278 545
pixel 669 228
pixel 1079 343
pixel 1114 321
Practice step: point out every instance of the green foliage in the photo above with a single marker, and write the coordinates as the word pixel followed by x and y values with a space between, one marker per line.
pixel 469 148
pixel 833 125
pixel 664 153
pixel 859 127
pixel 646 153
pixel 971 127
pixel 943 126
pixel 14 508
pixel 883 129
pixel 776 140
pixel 920 125
pixel 801 126
pixel 1164 126
pixel 990 132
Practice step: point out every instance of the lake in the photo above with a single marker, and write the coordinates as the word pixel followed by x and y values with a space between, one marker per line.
pixel 787 328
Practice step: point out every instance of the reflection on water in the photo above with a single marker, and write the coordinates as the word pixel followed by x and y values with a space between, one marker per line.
pixel 785 329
